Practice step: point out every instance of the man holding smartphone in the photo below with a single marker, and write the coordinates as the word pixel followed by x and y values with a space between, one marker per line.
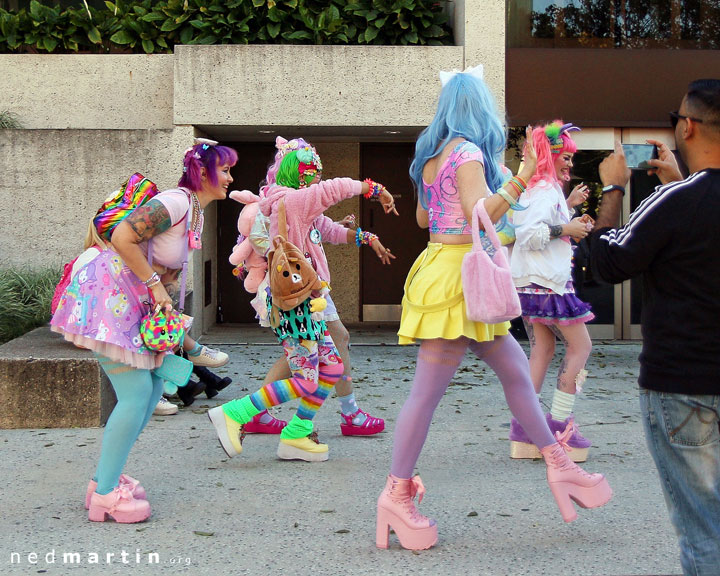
pixel 673 240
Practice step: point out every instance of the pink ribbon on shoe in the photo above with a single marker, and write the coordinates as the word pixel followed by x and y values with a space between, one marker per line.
pixel 564 437
pixel 128 482
pixel 417 487
pixel 123 493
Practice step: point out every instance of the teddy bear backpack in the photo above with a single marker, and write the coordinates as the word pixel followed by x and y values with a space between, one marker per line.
pixel 292 278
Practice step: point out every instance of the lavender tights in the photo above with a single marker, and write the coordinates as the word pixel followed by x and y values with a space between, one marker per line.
pixel 436 365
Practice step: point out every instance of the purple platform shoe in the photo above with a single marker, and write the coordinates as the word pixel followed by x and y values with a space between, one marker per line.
pixel 522 447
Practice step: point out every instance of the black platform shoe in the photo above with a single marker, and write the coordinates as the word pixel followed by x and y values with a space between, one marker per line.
pixel 213 382
pixel 188 392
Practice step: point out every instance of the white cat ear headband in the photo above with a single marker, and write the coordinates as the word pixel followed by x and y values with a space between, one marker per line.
pixel 476 71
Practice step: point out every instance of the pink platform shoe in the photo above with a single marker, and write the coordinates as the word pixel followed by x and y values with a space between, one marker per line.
pixel 371 425
pixel 569 483
pixel 118 505
pixel 275 426
pixel 395 508
pixel 129 482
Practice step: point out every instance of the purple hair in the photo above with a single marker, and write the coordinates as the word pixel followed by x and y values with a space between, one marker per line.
pixel 205 156
pixel 545 156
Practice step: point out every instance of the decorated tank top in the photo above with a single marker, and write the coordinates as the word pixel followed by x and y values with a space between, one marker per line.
pixel 298 323
pixel 445 213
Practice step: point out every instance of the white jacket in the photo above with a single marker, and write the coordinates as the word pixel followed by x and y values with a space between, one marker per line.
pixel 536 258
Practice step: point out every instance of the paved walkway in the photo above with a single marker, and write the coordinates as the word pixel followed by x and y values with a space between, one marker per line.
pixel 256 515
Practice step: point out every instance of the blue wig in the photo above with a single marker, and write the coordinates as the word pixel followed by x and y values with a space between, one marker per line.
pixel 465 109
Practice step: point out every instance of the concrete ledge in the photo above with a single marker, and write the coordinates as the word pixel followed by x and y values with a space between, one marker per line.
pixel 46 382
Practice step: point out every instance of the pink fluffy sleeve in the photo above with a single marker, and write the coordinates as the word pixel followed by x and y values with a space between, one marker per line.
pixel 331 232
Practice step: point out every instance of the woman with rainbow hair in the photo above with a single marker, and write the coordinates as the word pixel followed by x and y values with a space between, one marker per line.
pixel 456 165
pixel 541 265
pixel 314 362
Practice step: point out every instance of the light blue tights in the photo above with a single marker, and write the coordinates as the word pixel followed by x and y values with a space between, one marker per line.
pixel 138 392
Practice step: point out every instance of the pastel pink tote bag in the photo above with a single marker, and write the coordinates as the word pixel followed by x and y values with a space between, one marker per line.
pixel 490 295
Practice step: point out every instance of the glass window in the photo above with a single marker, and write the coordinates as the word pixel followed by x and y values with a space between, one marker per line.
pixel 691 24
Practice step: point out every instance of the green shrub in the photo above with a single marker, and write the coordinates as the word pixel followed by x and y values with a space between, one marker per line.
pixel 25 297
pixel 9 121
pixel 151 26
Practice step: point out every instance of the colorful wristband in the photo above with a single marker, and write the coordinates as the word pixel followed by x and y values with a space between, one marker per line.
pixel 374 188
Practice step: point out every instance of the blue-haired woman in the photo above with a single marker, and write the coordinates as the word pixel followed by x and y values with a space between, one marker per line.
pixel 456 164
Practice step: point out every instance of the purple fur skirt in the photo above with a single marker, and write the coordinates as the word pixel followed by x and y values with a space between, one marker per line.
pixel 544 306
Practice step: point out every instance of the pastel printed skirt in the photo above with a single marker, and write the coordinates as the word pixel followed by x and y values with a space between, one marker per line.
pixel 433 305
pixel 101 310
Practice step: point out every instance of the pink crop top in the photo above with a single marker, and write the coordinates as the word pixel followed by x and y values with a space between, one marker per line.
pixel 445 214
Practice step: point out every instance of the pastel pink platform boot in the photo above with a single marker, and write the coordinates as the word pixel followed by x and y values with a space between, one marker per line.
pixel 129 482
pixel 569 483
pixel 395 508
pixel 118 505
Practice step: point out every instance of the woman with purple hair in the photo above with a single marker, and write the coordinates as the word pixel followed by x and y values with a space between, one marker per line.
pixel 104 304
pixel 541 266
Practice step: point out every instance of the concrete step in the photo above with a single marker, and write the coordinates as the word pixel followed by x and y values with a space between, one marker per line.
pixel 46 382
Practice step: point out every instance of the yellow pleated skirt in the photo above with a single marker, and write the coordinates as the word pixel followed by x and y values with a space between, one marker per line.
pixel 433 305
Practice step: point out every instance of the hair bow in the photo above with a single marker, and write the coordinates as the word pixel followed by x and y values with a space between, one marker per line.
pixel 476 71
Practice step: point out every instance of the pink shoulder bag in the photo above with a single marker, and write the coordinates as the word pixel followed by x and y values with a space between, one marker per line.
pixel 490 295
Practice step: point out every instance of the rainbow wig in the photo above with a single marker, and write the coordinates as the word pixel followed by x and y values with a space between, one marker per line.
pixel 295 164
pixel 466 109
pixel 550 141
pixel 208 156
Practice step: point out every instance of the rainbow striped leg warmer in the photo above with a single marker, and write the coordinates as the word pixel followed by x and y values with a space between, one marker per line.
pixel 310 404
pixel 272 394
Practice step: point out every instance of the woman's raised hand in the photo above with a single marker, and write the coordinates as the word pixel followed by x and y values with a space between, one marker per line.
pixel 388 202
pixel 578 195
pixel 382 252
pixel 529 160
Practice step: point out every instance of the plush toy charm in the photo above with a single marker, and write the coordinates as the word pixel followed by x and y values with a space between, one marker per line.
pixel 162 331
pixel 245 256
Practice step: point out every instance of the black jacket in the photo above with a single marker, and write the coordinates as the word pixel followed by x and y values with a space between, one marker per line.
pixel 673 241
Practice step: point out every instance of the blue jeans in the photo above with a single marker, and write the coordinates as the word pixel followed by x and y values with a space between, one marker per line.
pixel 683 436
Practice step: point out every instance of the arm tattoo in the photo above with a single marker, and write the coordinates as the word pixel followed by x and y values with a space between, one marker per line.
pixel 173 290
pixel 555 231
pixel 149 220
pixel 171 281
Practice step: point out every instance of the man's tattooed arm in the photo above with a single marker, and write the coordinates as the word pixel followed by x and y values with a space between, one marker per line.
pixel 149 220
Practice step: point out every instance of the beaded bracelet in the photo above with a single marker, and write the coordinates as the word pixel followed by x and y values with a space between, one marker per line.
pixel 364 237
pixel 374 188
pixel 510 200
pixel 154 279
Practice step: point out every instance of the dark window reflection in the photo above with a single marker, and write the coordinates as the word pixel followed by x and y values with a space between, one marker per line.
pixel 599 295
pixel 690 24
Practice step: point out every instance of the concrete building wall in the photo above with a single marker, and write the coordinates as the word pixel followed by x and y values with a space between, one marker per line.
pixel 53 181
pixel 309 85
pixel 94 92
